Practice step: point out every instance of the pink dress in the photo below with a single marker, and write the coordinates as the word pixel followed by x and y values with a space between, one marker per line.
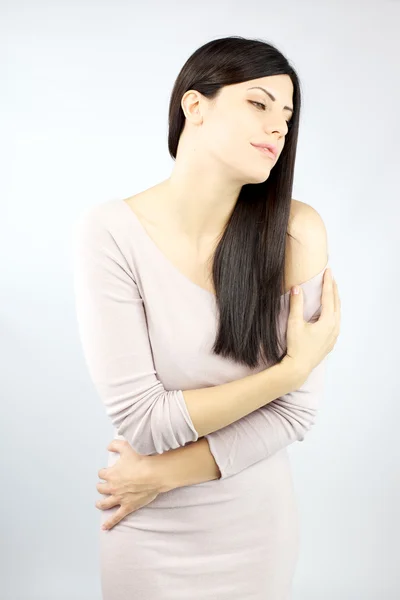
pixel 146 332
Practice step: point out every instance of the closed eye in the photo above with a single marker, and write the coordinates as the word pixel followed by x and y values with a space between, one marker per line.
pixel 259 104
pixel 289 123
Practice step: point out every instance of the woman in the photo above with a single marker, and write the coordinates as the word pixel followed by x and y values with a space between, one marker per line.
pixel 206 365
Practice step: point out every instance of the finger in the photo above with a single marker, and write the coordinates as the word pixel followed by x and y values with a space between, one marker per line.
pixel 327 299
pixel 117 446
pixel 116 518
pixel 337 303
pixel 338 310
pixel 103 488
pixel 102 473
pixel 296 303
pixel 106 503
pixel 336 297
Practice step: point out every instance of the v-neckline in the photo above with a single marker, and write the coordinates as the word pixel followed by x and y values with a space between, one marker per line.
pixel 175 269
pixel 160 253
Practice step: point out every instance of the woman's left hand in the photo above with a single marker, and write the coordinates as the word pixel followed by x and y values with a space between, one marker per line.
pixel 131 482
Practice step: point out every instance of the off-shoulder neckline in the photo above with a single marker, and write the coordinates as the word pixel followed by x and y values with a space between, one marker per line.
pixel 151 243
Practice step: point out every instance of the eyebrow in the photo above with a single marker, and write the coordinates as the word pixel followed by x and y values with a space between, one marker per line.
pixel 257 87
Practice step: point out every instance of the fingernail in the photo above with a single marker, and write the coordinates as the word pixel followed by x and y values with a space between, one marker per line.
pixel 295 290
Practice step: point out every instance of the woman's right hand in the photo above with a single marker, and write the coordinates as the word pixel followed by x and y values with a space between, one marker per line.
pixel 309 343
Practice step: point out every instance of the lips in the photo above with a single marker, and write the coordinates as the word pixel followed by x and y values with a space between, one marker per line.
pixel 268 149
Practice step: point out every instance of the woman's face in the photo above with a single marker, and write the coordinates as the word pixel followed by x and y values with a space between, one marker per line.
pixel 243 115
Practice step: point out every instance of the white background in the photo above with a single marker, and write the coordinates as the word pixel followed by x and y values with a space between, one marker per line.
pixel 84 99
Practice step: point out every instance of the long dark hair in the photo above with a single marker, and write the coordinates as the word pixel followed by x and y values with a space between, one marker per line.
pixel 249 261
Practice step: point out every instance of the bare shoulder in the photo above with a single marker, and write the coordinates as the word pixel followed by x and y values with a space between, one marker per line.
pixel 306 223
pixel 307 250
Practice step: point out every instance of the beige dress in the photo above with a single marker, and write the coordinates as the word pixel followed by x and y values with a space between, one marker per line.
pixel 146 332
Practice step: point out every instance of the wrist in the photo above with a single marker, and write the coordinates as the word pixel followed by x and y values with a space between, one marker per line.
pixel 295 371
pixel 159 472
pixel 186 465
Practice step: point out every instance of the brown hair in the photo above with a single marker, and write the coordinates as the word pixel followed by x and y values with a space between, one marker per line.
pixel 249 260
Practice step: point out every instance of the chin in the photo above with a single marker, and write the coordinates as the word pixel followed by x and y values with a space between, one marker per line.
pixel 263 177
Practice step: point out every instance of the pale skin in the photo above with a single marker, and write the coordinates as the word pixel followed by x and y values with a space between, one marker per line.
pixel 185 215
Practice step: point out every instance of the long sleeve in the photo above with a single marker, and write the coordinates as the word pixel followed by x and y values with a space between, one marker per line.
pixel 281 422
pixel 116 347
pixel 114 337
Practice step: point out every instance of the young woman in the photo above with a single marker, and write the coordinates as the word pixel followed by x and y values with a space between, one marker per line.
pixel 207 366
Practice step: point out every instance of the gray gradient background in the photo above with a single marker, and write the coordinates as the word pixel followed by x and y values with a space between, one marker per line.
pixel 83 120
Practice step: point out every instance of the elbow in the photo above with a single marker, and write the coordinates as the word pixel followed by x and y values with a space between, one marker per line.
pixel 145 440
pixel 162 425
pixel 304 423
pixel 298 420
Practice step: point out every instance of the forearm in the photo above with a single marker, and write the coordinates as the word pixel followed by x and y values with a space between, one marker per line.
pixel 241 444
pixel 215 407
pixel 187 465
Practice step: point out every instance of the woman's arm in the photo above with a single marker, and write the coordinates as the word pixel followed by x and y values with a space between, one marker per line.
pixel 255 437
pixel 114 336
pixel 189 465
pixel 154 420
pixel 279 423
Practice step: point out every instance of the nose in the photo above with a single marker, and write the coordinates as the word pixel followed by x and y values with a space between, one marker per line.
pixel 276 124
pixel 274 128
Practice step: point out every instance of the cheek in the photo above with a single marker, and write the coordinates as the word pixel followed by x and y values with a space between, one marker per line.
pixel 230 138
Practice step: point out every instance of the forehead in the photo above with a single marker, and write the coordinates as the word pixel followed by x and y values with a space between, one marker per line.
pixel 280 86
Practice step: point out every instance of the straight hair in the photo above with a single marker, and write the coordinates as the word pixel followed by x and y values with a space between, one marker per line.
pixel 248 268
